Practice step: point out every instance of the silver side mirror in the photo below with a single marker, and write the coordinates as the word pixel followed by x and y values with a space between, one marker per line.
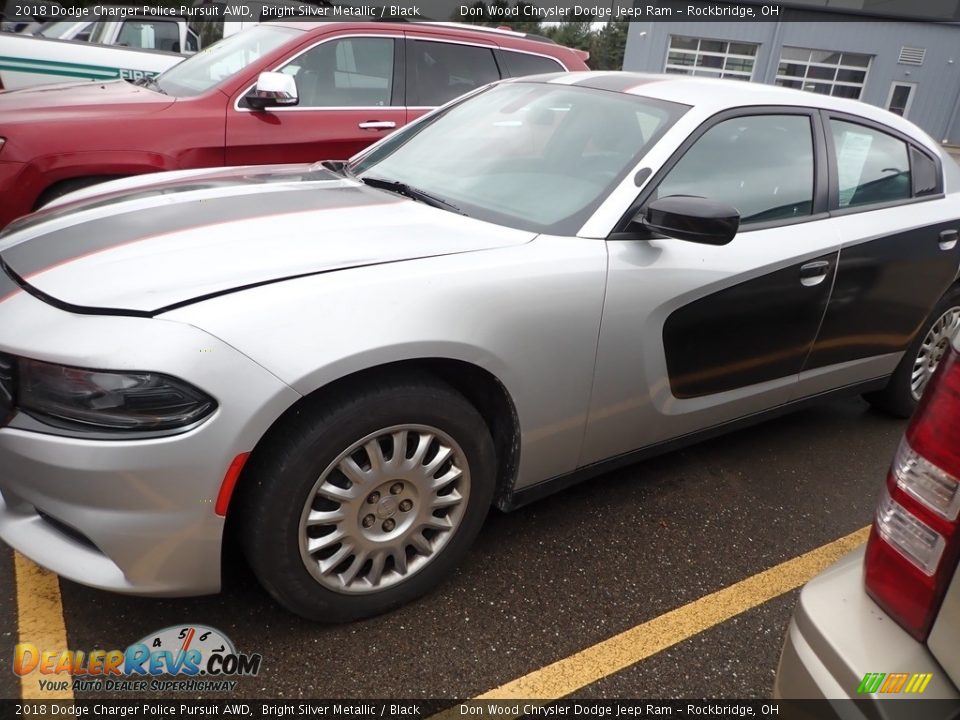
pixel 273 89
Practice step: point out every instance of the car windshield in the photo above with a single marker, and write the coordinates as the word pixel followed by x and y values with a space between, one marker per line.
pixel 55 29
pixel 209 67
pixel 533 156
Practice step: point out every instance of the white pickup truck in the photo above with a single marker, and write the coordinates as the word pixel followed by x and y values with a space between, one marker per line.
pixel 125 46
pixel 130 48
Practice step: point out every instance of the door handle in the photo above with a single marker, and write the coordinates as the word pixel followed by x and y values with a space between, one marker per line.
pixel 948 239
pixel 377 125
pixel 814 273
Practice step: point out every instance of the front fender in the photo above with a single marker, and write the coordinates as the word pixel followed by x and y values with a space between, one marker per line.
pixel 64 166
pixel 529 315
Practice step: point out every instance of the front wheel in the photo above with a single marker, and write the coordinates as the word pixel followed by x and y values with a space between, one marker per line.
pixel 921 359
pixel 65 187
pixel 369 501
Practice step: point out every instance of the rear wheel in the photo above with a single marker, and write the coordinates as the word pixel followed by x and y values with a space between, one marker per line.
pixel 369 501
pixel 921 359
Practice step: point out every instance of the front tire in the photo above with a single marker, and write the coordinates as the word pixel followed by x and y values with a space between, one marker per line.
pixel 367 501
pixel 65 187
pixel 902 394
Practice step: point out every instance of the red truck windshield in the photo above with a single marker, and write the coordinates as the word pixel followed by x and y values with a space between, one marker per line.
pixel 203 71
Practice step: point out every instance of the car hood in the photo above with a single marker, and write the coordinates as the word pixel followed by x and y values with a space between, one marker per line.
pixel 144 246
pixel 86 99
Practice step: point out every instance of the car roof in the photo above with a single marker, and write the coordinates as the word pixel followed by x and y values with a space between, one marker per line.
pixel 454 27
pixel 506 39
pixel 715 95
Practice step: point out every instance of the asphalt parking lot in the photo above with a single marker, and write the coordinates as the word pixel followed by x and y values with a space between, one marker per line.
pixel 556 578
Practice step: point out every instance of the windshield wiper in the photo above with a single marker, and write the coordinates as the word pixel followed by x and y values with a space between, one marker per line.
pixel 400 188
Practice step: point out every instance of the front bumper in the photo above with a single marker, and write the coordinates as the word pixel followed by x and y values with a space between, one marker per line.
pixel 133 516
pixel 838 635
pixel 123 516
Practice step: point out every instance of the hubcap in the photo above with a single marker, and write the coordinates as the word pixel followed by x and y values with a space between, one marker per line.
pixel 934 345
pixel 384 508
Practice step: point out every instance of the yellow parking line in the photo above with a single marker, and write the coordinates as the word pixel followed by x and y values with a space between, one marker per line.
pixel 631 646
pixel 39 621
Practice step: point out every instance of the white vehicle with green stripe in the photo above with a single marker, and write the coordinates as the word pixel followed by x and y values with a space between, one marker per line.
pixel 130 49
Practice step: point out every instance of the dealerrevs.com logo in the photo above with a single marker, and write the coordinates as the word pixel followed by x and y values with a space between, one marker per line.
pixel 194 658
pixel 892 683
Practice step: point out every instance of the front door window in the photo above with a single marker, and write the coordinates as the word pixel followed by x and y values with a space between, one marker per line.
pixel 350 72
pixel 762 165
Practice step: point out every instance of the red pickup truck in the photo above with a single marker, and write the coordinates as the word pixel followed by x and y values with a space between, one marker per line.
pixel 352 83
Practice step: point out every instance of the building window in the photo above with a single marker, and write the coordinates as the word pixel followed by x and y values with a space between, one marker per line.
pixel 826 72
pixel 710 58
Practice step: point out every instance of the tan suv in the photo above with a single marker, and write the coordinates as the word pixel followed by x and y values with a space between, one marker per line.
pixel 884 622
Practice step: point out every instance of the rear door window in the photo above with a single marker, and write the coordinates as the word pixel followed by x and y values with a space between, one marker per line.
pixel 438 71
pixel 925 175
pixel 872 167
pixel 518 64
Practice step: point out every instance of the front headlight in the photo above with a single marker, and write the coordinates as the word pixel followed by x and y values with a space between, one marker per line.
pixel 2 141
pixel 81 399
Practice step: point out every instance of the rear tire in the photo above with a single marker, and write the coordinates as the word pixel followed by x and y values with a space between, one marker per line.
pixel 367 501
pixel 902 394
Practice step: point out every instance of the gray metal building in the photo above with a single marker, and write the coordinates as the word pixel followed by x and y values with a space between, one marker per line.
pixel 907 66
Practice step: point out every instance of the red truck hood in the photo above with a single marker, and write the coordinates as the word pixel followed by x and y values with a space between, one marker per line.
pixel 79 99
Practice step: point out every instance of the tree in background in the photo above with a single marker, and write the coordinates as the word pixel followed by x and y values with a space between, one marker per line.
pixel 607 46
pixel 484 15
pixel 574 30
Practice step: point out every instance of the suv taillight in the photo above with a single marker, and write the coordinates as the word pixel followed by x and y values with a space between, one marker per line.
pixel 915 543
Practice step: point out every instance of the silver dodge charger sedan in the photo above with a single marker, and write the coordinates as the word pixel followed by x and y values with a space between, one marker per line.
pixel 349 363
